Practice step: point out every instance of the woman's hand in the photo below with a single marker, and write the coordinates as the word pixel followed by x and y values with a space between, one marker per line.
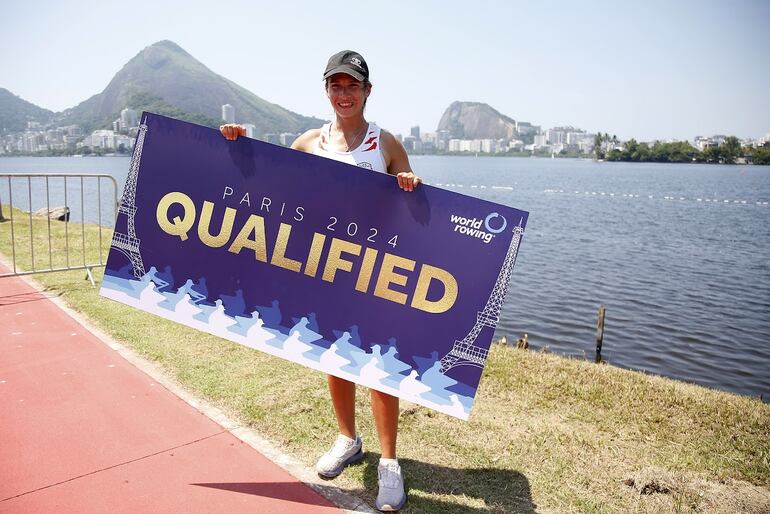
pixel 407 180
pixel 231 131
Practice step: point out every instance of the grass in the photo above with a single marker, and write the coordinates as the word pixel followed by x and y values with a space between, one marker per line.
pixel 547 434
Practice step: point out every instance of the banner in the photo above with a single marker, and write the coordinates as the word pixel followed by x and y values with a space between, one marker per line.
pixel 322 263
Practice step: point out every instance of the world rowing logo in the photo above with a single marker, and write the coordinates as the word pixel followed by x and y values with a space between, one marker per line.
pixel 493 224
pixel 491 217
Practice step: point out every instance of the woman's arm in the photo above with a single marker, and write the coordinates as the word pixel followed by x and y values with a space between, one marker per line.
pixel 307 141
pixel 397 162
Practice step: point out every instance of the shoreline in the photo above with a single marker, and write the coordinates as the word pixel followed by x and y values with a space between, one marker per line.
pixel 419 155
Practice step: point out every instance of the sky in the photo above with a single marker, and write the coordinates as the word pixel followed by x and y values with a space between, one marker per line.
pixel 648 70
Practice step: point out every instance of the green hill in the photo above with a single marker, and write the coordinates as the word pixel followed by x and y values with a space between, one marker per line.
pixel 15 112
pixel 164 78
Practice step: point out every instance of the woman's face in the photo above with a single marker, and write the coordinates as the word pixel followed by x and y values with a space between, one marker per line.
pixel 346 94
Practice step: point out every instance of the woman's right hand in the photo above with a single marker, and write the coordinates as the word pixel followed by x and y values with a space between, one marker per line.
pixel 231 131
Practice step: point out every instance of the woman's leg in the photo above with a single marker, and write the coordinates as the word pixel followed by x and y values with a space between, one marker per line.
pixel 343 393
pixel 385 410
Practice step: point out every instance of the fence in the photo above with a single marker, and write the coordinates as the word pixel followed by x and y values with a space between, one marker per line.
pixel 72 241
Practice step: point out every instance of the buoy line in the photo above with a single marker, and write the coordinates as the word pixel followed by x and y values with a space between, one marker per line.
pixel 664 197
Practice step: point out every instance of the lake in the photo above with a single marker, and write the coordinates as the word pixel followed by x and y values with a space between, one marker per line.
pixel 678 254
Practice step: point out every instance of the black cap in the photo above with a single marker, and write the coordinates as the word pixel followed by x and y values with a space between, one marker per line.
pixel 349 62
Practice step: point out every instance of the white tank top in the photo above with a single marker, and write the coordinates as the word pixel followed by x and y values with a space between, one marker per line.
pixel 367 155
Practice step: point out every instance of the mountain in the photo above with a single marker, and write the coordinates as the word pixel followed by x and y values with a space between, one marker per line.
pixel 163 78
pixel 475 120
pixel 16 112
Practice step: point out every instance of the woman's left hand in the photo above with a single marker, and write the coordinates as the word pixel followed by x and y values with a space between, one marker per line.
pixel 408 180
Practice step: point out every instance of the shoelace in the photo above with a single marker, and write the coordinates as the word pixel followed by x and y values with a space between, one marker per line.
pixel 341 446
pixel 389 475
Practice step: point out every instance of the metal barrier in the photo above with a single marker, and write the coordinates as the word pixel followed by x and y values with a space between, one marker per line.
pixel 87 185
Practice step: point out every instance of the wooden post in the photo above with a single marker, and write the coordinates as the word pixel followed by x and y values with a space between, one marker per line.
pixel 600 333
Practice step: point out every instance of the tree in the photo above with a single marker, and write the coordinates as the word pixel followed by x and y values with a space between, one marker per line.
pixel 711 155
pixel 598 153
pixel 641 153
pixel 730 150
pixel 761 154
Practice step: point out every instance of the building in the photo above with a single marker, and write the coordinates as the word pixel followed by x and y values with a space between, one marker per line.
pixel 415 132
pixel 228 113
pixel 33 142
pixel 429 142
pixel 586 145
pixel 556 136
pixel 287 138
pixel 430 137
pixel 488 146
pixel 123 142
pixel 250 130
pixel 469 145
pixel 701 142
pixel 526 128
pixel 100 139
pixel 409 143
pixel 442 140
pixel 272 138
pixel 128 118
pixel 574 137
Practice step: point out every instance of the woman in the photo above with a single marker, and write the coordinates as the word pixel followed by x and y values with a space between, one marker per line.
pixel 351 139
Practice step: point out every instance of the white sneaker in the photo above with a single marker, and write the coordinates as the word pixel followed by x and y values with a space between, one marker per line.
pixel 391 495
pixel 344 451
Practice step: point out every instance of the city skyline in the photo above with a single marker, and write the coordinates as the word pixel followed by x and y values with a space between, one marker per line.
pixel 649 72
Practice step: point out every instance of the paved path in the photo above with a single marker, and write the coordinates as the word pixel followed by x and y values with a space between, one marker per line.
pixel 83 430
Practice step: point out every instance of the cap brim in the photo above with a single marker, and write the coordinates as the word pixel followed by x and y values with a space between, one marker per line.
pixel 347 70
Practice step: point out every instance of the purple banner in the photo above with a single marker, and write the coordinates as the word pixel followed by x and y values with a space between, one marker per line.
pixel 323 263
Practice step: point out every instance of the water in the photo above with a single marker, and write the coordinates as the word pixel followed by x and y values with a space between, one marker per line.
pixel 82 206
pixel 678 254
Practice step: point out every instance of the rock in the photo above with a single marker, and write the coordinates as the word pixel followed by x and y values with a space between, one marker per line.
pixel 476 120
pixel 55 213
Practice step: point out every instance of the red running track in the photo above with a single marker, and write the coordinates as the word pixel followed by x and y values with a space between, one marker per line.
pixel 83 430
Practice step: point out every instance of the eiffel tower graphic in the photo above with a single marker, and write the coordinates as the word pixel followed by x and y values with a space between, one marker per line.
pixel 128 244
pixel 464 353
